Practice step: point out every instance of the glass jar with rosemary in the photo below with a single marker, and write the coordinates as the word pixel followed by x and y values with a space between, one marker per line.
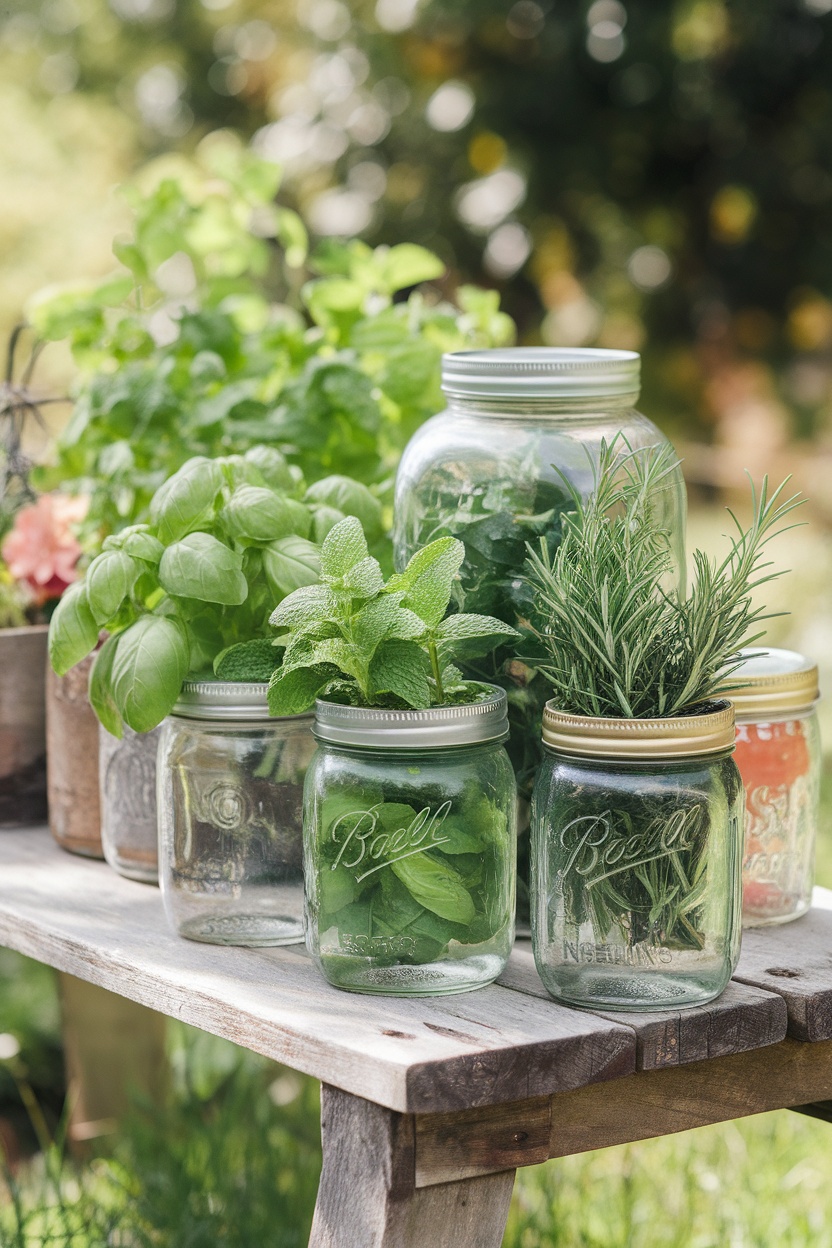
pixel 637 808
pixel 410 801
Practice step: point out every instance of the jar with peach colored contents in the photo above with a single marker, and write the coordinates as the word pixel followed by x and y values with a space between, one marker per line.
pixel 778 755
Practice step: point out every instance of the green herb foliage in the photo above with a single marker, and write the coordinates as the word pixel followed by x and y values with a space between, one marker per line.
pixel 210 339
pixel 192 589
pixel 617 642
pixel 357 639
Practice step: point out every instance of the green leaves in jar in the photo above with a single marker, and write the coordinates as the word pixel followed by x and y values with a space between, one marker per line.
pixel 371 643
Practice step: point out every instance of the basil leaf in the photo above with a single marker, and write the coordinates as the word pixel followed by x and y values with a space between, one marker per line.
pixel 258 514
pixel 290 564
pixel 436 886
pixel 324 519
pixel 202 567
pixel 407 264
pixel 101 689
pixel 143 546
pixel 109 579
pixel 150 664
pixel 73 632
pixel 272 467
pixel 351 498
pixel 186 499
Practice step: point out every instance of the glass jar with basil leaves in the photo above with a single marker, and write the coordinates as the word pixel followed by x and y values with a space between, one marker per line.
pixel 409 847
pixel 523 428
pixel 230 786
pixel 636 859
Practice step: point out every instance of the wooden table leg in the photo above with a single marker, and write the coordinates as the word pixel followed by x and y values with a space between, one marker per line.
pixel 368 1198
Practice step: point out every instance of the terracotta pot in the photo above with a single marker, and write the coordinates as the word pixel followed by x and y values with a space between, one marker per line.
pixel 127 771
pixel 23 725
pixel 72 762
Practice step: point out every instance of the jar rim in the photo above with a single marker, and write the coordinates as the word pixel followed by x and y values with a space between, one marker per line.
pixel 774 683
pixel 438 727
pixel 228 701
pixel 677 736
pixel 541 372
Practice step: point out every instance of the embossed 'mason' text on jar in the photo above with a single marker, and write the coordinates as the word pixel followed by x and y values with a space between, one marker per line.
pixel 409 832
pixel 230 816
pixel 778 754
pixel 636 845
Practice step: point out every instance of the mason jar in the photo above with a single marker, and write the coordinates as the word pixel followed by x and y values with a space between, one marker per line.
pixel 636 857
pixel 409 848
pixel 127 789
pixel 778 754
pixel 490 470
pixel 230 797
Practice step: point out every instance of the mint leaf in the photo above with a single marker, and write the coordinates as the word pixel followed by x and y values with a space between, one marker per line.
pixel 303 606
pixel 253 660
pixel 202 567
pixel 186 499
pixel 291 693
pixel 364 579
pixel 151 661
pixel 291 563
pixel 351 499
pixel 428 578
pixel 401 668
pixel 109 580
pixel 407 264
pixel 258 514
pixel 472 635
pixel 383 619
pixel 100 688
pixel 73 632
pixel 344 547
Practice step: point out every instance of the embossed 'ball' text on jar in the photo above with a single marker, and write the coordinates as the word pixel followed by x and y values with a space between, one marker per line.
pixel 778 754
pixel 636 856
pixel 230 798
pixel 409 848
pixel 490 471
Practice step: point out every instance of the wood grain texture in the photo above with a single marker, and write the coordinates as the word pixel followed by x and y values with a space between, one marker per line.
pixel 367 1196
pixel 481 1141
pixel 417 1055
pixel 743 1018
pixel 795 961
pixel 662 1102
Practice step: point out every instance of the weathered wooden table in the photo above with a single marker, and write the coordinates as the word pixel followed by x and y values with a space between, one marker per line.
pixel 429 1105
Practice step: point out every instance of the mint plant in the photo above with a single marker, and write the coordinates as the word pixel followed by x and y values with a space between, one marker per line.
pixel 190 591
pixel 355 638
pixel 217 334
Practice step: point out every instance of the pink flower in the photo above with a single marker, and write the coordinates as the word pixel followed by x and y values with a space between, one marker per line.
pixel 41 549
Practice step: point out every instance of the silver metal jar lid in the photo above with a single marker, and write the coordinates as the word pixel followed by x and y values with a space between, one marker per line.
pixel 230 700
pixel 437 728
pixel 541 372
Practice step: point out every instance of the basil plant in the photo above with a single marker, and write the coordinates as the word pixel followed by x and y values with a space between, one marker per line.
pixel 180 595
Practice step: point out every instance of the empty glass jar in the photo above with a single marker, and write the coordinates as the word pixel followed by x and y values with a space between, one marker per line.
pixel 230 816
pixel 636 854
pixel 409 848
pixel 489 470
pixel 127 786
pixel 778 754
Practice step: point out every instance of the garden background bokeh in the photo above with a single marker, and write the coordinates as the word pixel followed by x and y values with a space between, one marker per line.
pixel 642 175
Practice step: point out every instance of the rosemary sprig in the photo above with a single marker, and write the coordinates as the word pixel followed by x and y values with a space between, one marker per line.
pixel 616 641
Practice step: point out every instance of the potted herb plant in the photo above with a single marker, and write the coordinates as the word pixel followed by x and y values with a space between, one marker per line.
pixel 225 538
pixel 410 803
pixel 637 808
pixel 38 559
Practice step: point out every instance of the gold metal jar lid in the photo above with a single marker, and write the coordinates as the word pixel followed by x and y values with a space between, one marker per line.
pixel 774 684
pixel 682 736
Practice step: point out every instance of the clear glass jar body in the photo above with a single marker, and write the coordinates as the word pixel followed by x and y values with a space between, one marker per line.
pixel 636 888
pixel 410 867
pixel 488 472
pixel 780 764
pixel 230 828
pixel 129 824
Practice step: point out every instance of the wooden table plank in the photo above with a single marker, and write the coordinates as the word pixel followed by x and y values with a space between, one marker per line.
pixel 795 961
pixel 412 1055
pixel 743 1018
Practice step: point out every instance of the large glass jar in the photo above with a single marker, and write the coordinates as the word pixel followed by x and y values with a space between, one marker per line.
pixel 489 470
pixel 778 754
pixel 409 848
pixel 636 854
pixel 230 796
